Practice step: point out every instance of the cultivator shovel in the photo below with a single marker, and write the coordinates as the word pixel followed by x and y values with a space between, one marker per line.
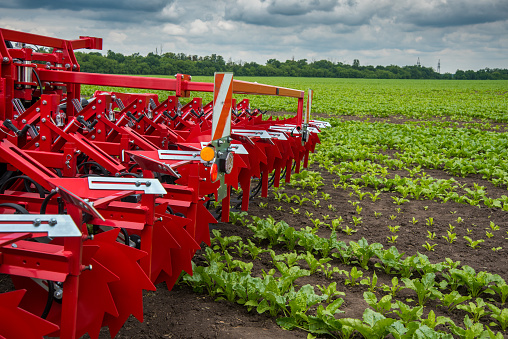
pixel 104 197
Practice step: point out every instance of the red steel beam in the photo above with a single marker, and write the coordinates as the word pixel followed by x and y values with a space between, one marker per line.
pixel 113 80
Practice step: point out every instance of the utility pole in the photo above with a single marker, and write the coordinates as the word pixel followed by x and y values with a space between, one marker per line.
pixel 439 66
pixel 418 62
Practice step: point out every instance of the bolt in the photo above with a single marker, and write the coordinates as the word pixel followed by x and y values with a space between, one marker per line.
pixel 148 184
pixel 93 107
pixel 67 65
pixel 74 66
pixel 93 137
pixel 16 116
pixel 138 183
pixel 52 222
pixel 37 109
pixel 99 101
pixel 43 119
pixel 99 116
pixel 5 59
pixel 23 121
pixel 99 131
pixel 44 102
pixel 58 294
pixel 159 219
pixel 87 268
pixel 89 237
pixel 43 138
pixel 140 101
pixel 36 144
pixel 14 246
pixel 37 222
pixel 134 106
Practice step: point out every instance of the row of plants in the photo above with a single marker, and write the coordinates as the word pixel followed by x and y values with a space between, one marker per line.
pixel 416 272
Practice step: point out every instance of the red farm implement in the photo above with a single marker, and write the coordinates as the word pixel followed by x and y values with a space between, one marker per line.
pixel 104 197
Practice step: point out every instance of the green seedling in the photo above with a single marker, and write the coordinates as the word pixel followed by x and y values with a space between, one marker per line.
pixel 392 239
pixel 263 205
pixel 278 208
pixel 353 276
pixel 332 208
pixel 383 306
pixel 394 229
pixel 431 235
pixel 429 221
pixel 453 299
pixel 357 220
pixel 394 289
pixel 348 230
pixel 495 249
pixel 295 210
pixel 489 234
pixel 451 237
pixel 330 291
pixel 393 217
pixel 371 283
pixel 359 209
pixel 414 221
pixel 429 247
pixel 377 214
pixel 475 243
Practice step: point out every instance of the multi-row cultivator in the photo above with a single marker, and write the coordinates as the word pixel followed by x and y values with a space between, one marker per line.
pixel 102 198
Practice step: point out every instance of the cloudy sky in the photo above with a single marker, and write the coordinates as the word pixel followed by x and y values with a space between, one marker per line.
pixel 463 34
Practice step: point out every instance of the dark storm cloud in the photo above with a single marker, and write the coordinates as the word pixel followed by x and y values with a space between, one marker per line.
pixel 300 7
pixel 94 5
pixel 455 13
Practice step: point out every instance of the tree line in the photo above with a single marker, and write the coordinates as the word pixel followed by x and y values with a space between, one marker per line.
pixel 172 63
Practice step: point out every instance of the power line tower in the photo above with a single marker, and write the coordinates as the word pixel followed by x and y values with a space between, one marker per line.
pixel 418 62
pixel 439 66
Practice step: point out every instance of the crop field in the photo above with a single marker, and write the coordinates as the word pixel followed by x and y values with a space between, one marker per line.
pixel 398 228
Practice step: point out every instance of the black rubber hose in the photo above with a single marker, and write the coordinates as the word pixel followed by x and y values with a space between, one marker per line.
pixel 93 163
pixel 42 194
pixel 46 201
pixel 18 208
pixel 38 80
pixel 124 174
pixel 49 301
pixel 125 235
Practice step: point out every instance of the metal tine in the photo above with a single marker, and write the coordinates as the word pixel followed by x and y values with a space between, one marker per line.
pixel 77 105
pixel 120 104
pixel 152 104
pixel 18 106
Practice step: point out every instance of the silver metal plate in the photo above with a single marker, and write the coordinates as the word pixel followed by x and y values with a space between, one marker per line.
pixel 80 203
pixel 252 133
pixel 178 155
pixel 149 186
pixel 278 135
pixel 235 148
pixel 55 225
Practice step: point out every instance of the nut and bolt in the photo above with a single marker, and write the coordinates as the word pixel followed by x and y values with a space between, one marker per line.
pixel 52 222
pixel 99 101
pixel 5 59
pixel 67 66
pixel 23 121
pixel 43 138
pixel 93 107
pixel 37 109
pixel 44 102
pixel 37 222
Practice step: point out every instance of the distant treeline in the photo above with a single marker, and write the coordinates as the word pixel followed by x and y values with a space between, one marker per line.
pixel 172 63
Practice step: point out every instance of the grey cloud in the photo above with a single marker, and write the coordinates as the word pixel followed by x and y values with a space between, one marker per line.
pixel 300 7
pixel 79 5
